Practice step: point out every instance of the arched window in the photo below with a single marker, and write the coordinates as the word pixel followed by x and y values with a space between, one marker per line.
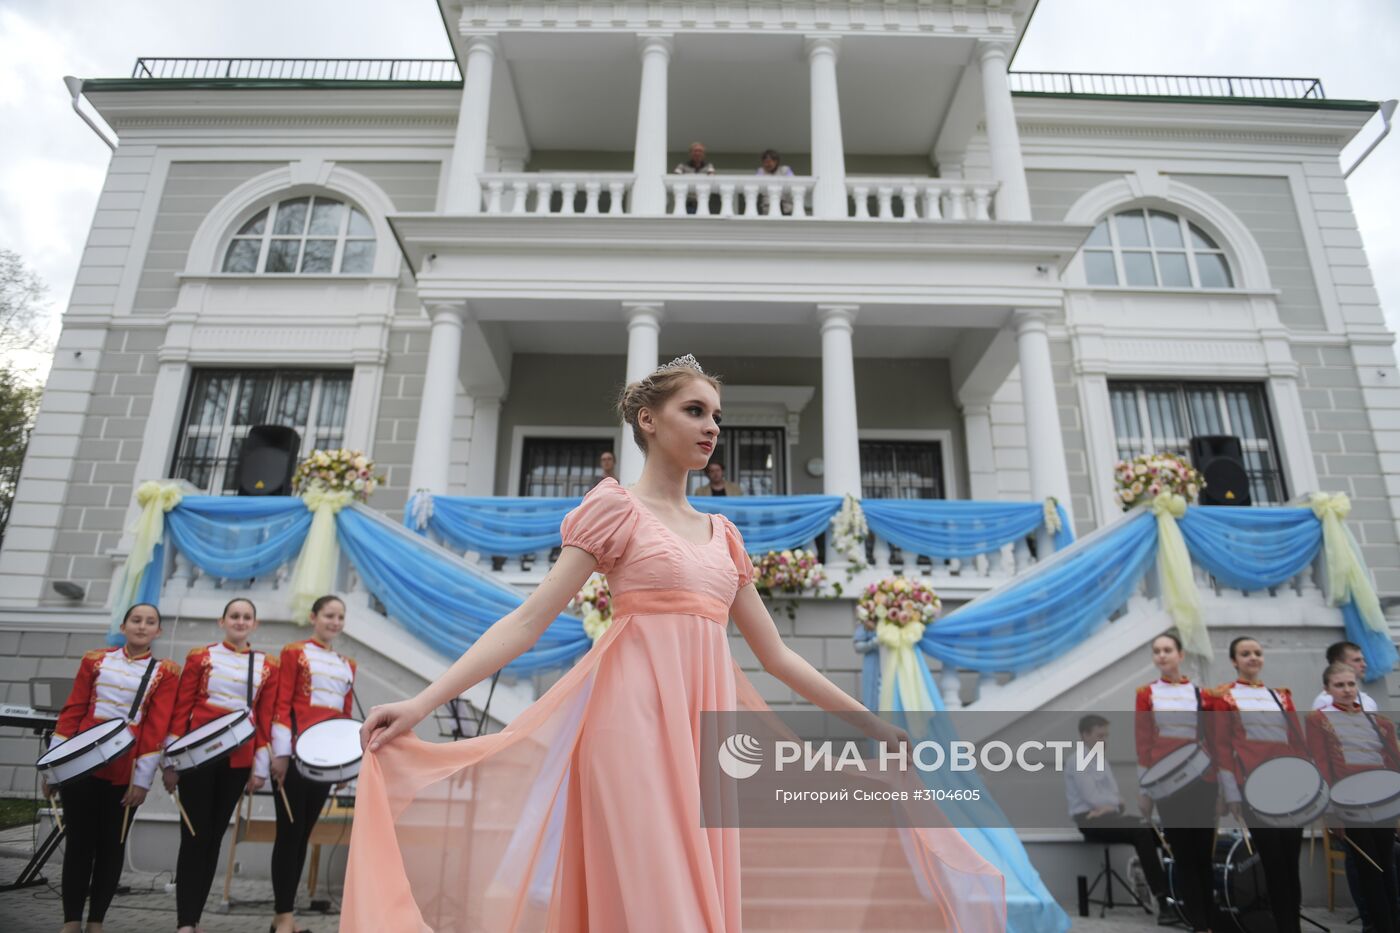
pixel 1154 249
pixel 304 235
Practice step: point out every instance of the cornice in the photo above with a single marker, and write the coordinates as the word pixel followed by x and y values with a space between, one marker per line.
pixel 1184 134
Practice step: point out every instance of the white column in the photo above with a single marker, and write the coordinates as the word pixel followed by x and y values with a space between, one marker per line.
pixel 828 151
pixel 840 431
pixel 649 154
pixel 363 404
pixel 432 452
pixel 981 457
pixel 1045 444
pixel 1003 139
pixel 643 337
pixel 481 462
pixel 473 118
pixel 1298 464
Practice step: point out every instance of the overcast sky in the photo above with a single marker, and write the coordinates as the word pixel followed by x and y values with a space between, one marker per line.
pixel 51 166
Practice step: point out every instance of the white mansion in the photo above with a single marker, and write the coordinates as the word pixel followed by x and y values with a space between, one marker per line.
pixel 975 284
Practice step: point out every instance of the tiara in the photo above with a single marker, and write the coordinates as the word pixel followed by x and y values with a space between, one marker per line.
pixel 682 362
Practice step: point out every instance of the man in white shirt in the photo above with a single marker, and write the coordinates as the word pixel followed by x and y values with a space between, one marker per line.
pixel 1096 805
pixel 1349 653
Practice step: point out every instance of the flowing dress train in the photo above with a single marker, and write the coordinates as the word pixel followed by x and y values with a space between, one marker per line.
pixel 584 813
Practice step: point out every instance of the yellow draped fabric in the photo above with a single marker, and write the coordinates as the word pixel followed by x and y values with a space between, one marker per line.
pixel 314 574
pixel 898 662
pixel 155 500
pixel 1179 593
pixel 1347 578
pixel 1052 515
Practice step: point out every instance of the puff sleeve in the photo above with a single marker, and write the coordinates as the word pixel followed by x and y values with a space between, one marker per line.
pixel 739 554
pixel 602 524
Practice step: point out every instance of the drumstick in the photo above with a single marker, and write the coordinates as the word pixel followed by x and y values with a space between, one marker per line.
pixel 285 803
pixel 1161 838
pixel 57 817
pixel 126 819
pixel 183 815
pixel 1363 854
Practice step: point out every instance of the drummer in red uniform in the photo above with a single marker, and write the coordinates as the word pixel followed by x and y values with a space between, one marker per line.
pixel 126 682
pixel 1261 726
pixel 218 679
pixel 1170 729
pixel 1347 741
pixel 314 685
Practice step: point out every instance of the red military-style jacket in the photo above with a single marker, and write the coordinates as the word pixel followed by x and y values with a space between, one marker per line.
pixel 1261 725
pixel 314 684
pixel 105 688
pixel 1347 742
pixel 1171 714
pixel 215 683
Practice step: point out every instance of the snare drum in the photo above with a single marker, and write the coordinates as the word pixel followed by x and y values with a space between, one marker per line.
pixel 1286 792
pixel 85 752
pixel 329 752
pixel 1367 798
pixel 212 741
pixel 1175 770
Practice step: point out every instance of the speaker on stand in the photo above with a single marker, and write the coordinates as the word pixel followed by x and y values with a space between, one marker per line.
pixel 267 460
pixel 1220 458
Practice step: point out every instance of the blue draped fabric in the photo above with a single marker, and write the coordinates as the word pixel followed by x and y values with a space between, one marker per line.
pixel 958 527
pixel 1036 618
pixel 1377 647
pixel 497 525
pixel 238 537
pixel 1030 908
pixel 773 523
pixel 1251 549
pixel 441 602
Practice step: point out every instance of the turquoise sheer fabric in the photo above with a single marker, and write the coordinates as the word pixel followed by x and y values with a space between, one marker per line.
pixel 958 528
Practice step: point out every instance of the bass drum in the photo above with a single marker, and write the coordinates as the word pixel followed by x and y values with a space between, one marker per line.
pixel 1241 896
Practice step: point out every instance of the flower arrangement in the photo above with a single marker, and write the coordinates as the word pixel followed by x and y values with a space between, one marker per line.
pixel 848 534
pixel 898 601
pixel 594 604
pixel 1145 477
pixel 336 471
pixel 793 571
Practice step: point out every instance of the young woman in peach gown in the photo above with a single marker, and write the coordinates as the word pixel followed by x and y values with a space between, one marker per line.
pixel 584 813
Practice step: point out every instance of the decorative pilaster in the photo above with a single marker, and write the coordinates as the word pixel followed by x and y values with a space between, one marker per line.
pixel 643 339
pixel 473 120
pixel 432 451
pixel 481 463
pixel 1003 138
pixel 649 154
pixel 840 430
pixel 1044 441
pixel 981 456
pixel 828 149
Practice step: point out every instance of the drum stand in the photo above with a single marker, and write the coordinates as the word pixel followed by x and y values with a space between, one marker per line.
pixel 1108 875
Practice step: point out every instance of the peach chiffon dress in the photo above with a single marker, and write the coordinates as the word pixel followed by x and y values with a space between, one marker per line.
pixel 584 813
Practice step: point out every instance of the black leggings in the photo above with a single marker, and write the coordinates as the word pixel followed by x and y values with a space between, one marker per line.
pixel 289 851
pixel 209 795
pixel 1377 888
pixel 1187 822
pixel 92 855
pixel 1278 851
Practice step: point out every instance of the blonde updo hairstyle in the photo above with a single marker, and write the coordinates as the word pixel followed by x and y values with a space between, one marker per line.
pixel 653 391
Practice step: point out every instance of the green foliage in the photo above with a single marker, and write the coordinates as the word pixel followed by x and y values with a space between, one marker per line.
pixel 19 405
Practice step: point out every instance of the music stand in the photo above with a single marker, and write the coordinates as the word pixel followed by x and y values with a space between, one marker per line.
pixel 1107 875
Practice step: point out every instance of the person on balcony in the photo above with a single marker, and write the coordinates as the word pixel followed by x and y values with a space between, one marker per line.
pixel 716 485
pixel 697 164
pixel 607 467
pixel 771 164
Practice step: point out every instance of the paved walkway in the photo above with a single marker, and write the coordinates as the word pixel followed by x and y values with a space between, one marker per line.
pixel 145 905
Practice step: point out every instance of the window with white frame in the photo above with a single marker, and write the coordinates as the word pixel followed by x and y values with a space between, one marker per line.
pixel 1161 417
pixel 561 466
pixel 1154 249
pixel 753 457
pixel 901 470
pixel 223 404
pixel 304 235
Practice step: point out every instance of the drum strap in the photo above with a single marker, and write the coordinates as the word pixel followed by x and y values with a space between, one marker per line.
pixel 252 660
pixel 1290 723
pixel 141 690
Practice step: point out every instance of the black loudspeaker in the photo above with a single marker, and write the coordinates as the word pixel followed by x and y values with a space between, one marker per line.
pixel 267 461
pixel 1220 458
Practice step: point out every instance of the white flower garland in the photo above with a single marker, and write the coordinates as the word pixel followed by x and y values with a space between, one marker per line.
pixel 848 534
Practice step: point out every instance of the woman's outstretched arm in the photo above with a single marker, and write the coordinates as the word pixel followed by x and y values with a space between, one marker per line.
pixel 507 639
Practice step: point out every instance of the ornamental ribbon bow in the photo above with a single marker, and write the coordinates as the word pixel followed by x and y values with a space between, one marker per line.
pixel 899 665
pixel 1347 578
pixel 155 500
pixel 1052 515
pixel 314 575
pixel 1179 593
